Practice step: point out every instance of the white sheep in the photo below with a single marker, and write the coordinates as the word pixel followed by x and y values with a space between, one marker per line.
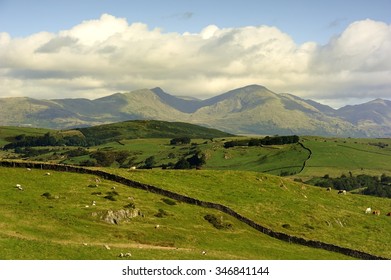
pixel 47 174
pixel 157 226
pixel 368 210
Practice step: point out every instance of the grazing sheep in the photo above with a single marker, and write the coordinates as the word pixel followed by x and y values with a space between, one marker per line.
pixel 388 214
pixel 157 226
pixel 132 168
pixel 368 210
pixel 121 255
pixel 328 189
pixel 376 212
pixel 342 192
pixel 204 253
pixel 47 174
pixel 28 169
pixel 19 187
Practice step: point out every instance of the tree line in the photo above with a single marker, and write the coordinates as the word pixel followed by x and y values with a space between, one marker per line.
pixel 369 185
pixel 46 140
pixel 268 140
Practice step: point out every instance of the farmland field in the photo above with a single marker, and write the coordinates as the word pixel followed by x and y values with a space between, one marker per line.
pixel 54 217
pixel 60 226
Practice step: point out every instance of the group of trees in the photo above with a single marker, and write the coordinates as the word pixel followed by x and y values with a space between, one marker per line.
pixel 46 140
pixel 370 185
pixel 180 140
pixel 274 140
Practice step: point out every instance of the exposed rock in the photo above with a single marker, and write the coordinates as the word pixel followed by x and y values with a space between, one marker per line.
pixel 118 216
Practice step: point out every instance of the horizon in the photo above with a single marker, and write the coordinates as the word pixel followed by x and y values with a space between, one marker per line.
pixel 334 53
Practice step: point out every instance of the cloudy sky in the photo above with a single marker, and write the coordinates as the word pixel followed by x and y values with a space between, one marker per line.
pixel 336 52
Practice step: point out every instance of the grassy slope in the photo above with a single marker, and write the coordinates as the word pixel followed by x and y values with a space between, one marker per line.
pixel 34 227
pixel 337 156
pixel 149 129
pixel 7 132
pixel 286 206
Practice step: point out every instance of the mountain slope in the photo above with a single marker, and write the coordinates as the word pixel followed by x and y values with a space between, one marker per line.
pixel 252 109
pixel 257 110
pixel 373 116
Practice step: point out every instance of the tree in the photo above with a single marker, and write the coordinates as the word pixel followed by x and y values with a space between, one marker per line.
pixel 149 162
pixel 180 140
pixel 197 160
pixel 182 164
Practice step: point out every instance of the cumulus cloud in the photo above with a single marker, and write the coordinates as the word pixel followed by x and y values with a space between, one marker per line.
pixel 107 55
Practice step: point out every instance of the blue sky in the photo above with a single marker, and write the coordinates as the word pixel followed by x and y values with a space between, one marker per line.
pixel 314 49
pixel 304 20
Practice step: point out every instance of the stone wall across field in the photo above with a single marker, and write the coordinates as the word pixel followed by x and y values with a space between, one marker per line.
pixel 193 201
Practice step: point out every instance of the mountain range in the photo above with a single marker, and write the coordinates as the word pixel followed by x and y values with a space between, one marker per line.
pixel 253 109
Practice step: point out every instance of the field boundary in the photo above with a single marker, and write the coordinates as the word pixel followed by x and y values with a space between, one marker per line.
pixel 307 159
pixel 186 199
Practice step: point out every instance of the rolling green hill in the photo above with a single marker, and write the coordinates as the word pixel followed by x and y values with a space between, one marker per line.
pixel 53 217
pixel 285 206
pixel 149 129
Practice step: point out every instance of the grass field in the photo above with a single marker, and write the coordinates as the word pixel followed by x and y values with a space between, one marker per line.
pixel 285 206
pixel 12 131
pixel 33 226
pixel 337 156
pixel 36 227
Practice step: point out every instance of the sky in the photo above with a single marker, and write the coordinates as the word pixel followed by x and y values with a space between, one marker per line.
pixel 334 52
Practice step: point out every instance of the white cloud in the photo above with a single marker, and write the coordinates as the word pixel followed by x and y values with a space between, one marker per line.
pixel 107 55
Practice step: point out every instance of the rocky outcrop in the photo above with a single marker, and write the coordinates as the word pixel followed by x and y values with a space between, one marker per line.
pixel 118 216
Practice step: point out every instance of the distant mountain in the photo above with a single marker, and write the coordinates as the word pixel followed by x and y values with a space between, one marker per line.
pixel 253 109
pixel 373 117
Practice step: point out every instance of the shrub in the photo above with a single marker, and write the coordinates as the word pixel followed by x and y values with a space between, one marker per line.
pixel 168 201
pixel 110 197
pixel 217 223
pixel 131 205
pixel 162 213
pixel 47 195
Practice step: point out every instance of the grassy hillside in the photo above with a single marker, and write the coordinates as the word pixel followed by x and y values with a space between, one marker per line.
pixel 49 220
pixel 8 133
pixel 149 129
pixel 336 156
pixel 286 206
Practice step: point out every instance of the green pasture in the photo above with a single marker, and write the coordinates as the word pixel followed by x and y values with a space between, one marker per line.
pixel 284 205
pixel 7 132
pixel 270 159
pixel 58 225
pixel 337 156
